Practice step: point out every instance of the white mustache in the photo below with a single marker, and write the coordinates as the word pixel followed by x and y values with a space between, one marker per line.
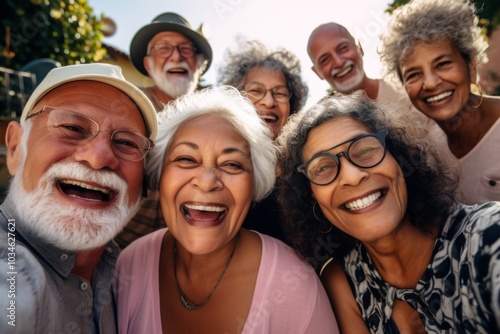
pixel 79 172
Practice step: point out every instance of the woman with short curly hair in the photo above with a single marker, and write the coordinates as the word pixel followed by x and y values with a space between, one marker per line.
pixel 272 80
pixel 257 69
pixel 434 47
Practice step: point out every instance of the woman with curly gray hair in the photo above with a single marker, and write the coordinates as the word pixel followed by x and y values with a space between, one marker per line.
pixel 369 191
pixel 254 68
pixel 434 47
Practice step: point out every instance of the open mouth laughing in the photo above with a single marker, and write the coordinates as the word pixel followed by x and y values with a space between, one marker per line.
pixel 206 215
pixel 343 73
pixel 177 70
pixel 269 118
pixel 85 191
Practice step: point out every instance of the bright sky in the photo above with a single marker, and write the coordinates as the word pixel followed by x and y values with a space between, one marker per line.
pixel 278 23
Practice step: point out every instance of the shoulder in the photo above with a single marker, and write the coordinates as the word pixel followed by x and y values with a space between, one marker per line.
pixel 142 252
pixel 23 287
pixel 291 286
pixel 281 269
pixel 475 229
pixel 478 218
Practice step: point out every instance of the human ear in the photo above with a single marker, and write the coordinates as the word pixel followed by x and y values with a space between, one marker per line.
pixel 318 73
pixel 13 137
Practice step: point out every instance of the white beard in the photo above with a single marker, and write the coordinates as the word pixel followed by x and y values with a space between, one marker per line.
pixel 71 227
pixel 171 84
pixel 348 86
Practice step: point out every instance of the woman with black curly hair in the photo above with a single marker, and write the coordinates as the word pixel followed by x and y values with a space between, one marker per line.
pixel 369 190
pixel 272 80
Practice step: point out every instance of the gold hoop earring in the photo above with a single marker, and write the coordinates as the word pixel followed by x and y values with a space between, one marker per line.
pixel 480 90
pixel 315 216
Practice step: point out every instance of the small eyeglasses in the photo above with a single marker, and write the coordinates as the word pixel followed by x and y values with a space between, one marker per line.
pixel 365 151
pixel 165 50
pixel 74 128
pixel 257 92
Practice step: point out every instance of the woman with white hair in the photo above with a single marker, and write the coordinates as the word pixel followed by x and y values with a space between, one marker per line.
pixel 204 273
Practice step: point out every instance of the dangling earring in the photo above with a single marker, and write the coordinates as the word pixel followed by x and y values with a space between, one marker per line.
pixel 315 216
pixel 480 90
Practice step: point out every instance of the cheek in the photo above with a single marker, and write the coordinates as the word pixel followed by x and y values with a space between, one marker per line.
pixel 133 175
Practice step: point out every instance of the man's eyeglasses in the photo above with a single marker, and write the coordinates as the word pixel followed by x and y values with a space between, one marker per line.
pixel 77 129
pixel 257 92
pixel 365 151
pixel 165 50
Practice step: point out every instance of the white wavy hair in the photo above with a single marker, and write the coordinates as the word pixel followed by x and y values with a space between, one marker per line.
pixel 229 104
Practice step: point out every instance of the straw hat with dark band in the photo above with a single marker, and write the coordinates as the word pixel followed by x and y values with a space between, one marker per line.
pixel 166 22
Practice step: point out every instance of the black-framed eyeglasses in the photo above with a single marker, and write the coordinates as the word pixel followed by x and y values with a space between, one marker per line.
pixel 365 151
pixel 165 50
pixel 257 92
pixel 77 129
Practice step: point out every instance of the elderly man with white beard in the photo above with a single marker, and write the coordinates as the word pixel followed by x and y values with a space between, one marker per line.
pixel 174 56
pixel 77 160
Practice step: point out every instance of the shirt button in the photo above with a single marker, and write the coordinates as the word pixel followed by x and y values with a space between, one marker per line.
pixel 109 250
pixel 64 257
pixel 493 183
pixel 84 286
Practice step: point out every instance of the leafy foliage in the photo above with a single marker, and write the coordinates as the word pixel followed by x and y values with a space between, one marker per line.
pixel 65 30
pixel 488 12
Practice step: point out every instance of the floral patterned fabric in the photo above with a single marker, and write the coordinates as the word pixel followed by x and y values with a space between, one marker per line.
pixel 460 289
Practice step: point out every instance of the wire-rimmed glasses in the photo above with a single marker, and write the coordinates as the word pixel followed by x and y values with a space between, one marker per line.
pixel 77 129
pixel 256 92
pixel 165 50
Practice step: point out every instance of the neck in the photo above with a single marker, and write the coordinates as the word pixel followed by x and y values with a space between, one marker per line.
pixel 466 129
pixel 86 262
pixel 402 258
pixel 370 86
pixel 161 95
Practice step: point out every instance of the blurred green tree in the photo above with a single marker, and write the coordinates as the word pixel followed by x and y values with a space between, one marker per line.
pixel 488 12
pixel 65 30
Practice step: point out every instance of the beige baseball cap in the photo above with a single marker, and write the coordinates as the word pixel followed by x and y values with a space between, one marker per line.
pixel 106 73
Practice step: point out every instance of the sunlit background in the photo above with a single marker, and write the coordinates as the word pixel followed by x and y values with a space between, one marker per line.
pixel 278 23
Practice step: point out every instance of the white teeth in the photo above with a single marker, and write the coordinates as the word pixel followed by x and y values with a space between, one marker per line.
pixel 85 186
pixel 344 72
pixel 269 117
pixel 205 208
pixel 438 97
pixel 363 202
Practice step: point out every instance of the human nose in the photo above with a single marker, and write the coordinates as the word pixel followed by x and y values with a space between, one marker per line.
pixel 268 98
pixel 208 179
pixel 350 174
pixel 97 152
pixel 431 80
pixel 176 54
pixel 337 60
